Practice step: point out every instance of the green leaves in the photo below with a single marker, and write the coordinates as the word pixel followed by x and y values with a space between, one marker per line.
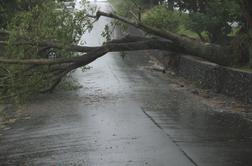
pixel 162 18
pixel 35 22
pixel 215 17
pixel 107 33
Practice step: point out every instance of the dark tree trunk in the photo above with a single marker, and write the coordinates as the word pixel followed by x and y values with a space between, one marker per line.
pixel 171 4
pixel 247 12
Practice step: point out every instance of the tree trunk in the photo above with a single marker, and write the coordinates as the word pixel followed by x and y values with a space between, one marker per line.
pixel 247 12
pixel 171 5
pixel 250 56
pixel 212 52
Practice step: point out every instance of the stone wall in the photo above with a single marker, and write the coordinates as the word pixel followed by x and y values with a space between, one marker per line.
pixel 228 81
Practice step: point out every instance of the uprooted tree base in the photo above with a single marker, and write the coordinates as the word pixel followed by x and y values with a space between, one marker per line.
pixel 55 70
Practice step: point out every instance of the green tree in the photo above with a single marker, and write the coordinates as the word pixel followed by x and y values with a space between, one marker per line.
pixel 214 17
pixel 163 18
pixel 31 30
pixel 7 8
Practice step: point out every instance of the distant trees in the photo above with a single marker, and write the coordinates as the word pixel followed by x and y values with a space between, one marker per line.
pixel 8 9
pixel 224 22
pixel 214 17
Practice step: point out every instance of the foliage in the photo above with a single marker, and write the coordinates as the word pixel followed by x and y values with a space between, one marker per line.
pixel 131 7
pixel 107 32
pixel 124 7
pixel 215 21
pixel 47 21
pixel 163 18
pixel 216 18
pixel 8 9
pixel 212 17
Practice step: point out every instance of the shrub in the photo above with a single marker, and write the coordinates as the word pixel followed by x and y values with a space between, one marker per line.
pixel 163 18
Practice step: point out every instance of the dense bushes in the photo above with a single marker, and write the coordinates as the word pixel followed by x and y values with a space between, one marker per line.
pixel 162 18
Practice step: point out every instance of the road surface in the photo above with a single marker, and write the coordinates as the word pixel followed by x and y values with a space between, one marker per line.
pixel 125 115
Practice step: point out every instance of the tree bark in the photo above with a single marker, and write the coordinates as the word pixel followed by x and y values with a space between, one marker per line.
pixel 129 43
pixel 215 53
pixel 247 12
pixel 250 56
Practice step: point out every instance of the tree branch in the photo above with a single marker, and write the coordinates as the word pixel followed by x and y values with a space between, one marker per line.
pixel 36 61
pixel 50 44
pixel 131 44
pixel 212 52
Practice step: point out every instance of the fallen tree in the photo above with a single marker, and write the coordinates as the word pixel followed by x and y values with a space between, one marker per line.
pixel 212 52
pixel 53 70
pixel 48 73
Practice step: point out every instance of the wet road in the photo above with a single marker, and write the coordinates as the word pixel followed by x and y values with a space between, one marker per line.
pixel 126 115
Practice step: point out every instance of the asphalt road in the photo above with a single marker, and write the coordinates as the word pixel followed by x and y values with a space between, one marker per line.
pixel 125 115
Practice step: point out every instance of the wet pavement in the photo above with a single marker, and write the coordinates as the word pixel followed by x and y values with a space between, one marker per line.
pixel 126 115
